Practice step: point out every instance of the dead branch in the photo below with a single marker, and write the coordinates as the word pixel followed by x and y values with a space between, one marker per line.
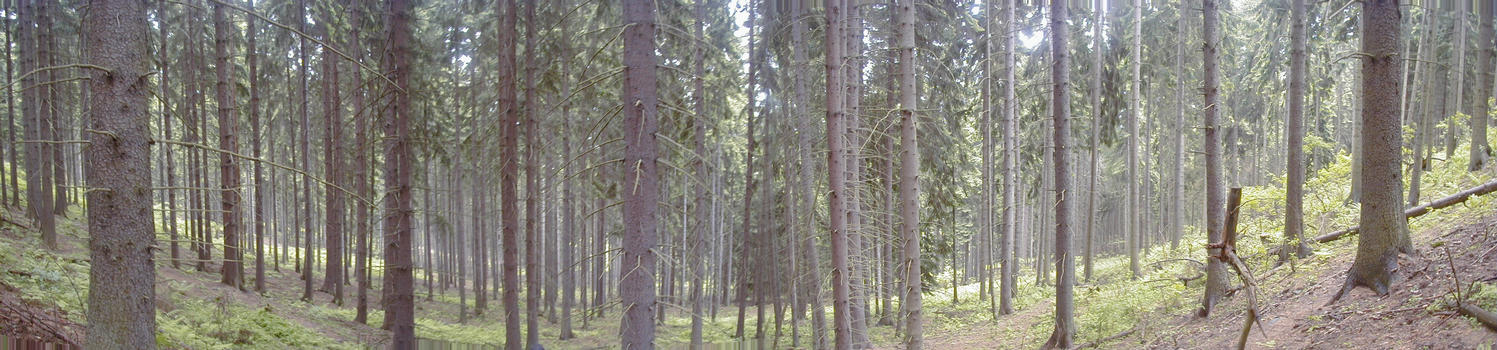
pixel 1421 209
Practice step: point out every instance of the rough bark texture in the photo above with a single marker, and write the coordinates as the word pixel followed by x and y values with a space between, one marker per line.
pixel 570 240
pixel 399 300
pixel 533 288
pixel 255 141
pixel 1294 216
pixel 1215 197
pixel 1381 221
pixel 332 156
pixel 122 306
pixel 636 284
pixel 228 165
pixel 909 173
pixel 1065 270
pixel 837 183
pixel 509 169
pixel 1010 167
pixel 703 211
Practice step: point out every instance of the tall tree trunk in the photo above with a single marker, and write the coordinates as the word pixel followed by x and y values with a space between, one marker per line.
pixel 1133 217
pixel 836 180
pixel 570 241
pixel 1177 214
pixel 636 287
pixel 1099 18
pixel 122 310
pixel 332 155
pixel 1294 218
pixel 13 190
pixel 1381 219
pixel 1065 270
pixel 166 128
pixel 805 220
pixel 400 299
pixel 253 57
pixel 1215 202
pixel 747 244
pixel 533 271
pixel 509 169
pixel 38 194
pixel 701 208
pixel 306 161
pixel 228 140
pixel 1480 149
pixel 1010 166
pixel 909 172
pixel 852 81
pixel 1458 25
pixel 362 177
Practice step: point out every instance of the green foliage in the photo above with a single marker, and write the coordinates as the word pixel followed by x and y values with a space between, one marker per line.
pixel 226 324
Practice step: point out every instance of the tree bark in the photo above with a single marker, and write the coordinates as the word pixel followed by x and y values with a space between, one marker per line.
pixel 1480 149
pixel 509 169
pixel 1010 166
pixel 1065 270
pixel 636 285
pixel 228 140
pixel 533 272
pixel 253 56
pixel 122 308
pixel 332 155
pixel 909 172
pixel 306 162
pixel 836 180
pixel 1381 219
pixel 1294 216
pixel 1135 204
pixel 1099 18
pixel 701 208
pixel 1215 211
pixel 399 296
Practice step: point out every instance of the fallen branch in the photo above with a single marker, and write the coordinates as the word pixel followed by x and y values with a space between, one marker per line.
pixel 1487 318
pixel 1421 209
pixel 1099 342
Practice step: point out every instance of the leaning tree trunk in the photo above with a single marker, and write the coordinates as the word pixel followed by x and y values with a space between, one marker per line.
pixel 122 308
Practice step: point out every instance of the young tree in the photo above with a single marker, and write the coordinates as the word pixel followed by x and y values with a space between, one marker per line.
pixel 399 298
pixel 1381 222
pixel 637 283
pixel 228 140
pixel 122 305
pixel 1215 200
pixel 909 173
pixel 1065 270
pixel 1294 217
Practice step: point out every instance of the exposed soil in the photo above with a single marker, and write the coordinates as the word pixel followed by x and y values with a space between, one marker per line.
pixel 30 321
pixel 1295 314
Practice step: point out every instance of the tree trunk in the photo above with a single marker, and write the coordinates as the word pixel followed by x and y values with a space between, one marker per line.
pixel 569 238
pixel 1381 221
pixel 400 298
pixel 306 162
pixel 509 169
pixel 1215 211
pixel 636 288
pixel 1294 218
pixel 1135 204
pixel 1458 25
pixel 228 140
pixel 1480 149
pixel 332 155
pixel 122 309
pixel 1177 214
pixel 1098 21
pixel 1010 166
pixel 533 271
pixel 747 244
pixel 702 222
pixel 1065 270
pixel 836 180
pixel 909 187
pixel 255 142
